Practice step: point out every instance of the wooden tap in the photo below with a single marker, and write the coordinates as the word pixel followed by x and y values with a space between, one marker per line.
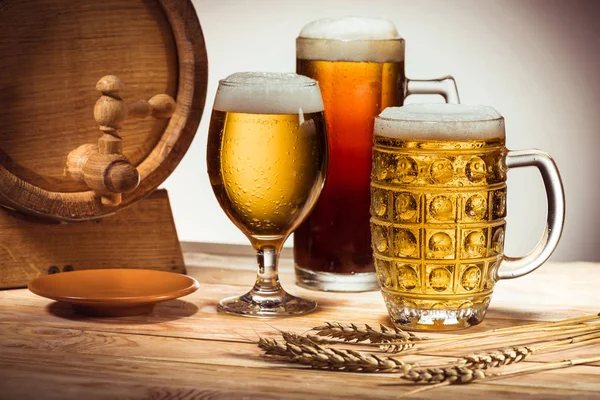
pixel 103 167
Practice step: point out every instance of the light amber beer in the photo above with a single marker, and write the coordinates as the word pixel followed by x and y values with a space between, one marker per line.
pixel 359 64
pixel 269 168
pixel 269 159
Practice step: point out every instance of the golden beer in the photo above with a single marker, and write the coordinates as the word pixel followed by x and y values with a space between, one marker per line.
pixel 267 170
pixel 438 203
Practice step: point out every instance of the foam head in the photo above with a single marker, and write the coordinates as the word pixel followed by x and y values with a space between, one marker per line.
pixel 440 122
pixel 268 93
pixel 350 28
pixel 350 39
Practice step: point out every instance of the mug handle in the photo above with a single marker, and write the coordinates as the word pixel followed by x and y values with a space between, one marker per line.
pixel 445 86
pixel 514 267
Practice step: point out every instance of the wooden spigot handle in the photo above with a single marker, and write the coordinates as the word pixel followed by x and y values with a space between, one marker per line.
pixel 161 106
pixel 104 168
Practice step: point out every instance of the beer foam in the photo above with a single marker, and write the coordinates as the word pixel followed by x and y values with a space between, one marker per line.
pixel 355 39
pixel 268 93
pixel 350 28
pixel 440 122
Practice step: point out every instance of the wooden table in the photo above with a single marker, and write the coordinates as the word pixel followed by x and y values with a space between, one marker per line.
pixel 186 350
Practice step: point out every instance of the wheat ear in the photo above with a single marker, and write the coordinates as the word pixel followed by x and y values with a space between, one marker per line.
pixel 470 375
pixel 320 357
pixel 363 333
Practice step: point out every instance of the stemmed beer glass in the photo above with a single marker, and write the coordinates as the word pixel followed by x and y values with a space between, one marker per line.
pixel 267 161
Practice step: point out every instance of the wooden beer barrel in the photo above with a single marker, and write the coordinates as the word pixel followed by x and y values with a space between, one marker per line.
pixel 54 100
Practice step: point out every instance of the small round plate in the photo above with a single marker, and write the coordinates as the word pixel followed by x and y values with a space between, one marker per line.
pixel 113 292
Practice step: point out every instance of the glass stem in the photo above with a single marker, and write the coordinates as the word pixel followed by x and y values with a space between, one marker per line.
pixel 267 279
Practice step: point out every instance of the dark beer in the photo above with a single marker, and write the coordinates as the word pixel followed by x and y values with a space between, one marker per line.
pixel 358 79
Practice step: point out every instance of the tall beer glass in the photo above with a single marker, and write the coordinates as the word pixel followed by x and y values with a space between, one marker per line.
pixel 267 160
pixel 438 207
pixel 359 63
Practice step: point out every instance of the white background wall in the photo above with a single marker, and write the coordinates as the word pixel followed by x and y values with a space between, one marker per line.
pixel 536 61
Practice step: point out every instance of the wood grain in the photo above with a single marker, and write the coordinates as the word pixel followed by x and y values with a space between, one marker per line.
pixel 143 236
pixel 53 53
pixel 185 349
pixel 95 376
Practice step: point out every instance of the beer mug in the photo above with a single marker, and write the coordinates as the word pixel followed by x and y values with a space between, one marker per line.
pixel 438 203
pixel 359 64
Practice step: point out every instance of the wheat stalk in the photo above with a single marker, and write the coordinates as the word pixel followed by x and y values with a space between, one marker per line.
pixel 473 367
pixel 394 339
pixel 387 347
pixel 536 327
pixel 302 350
pixel 359 334
pixel 314 339
pixel 453 374
pixel 363 333
pixel 437 377
pixel 530 337
pixel 319 357
pixel 497 358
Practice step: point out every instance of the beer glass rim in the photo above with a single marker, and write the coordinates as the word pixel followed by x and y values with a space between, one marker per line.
pixel 399 39
pixel 416 121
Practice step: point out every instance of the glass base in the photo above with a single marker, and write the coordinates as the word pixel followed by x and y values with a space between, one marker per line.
pixel 257 305
pixel 433 315
pixel 330 282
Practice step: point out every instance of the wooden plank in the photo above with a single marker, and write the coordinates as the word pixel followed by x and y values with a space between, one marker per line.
pixel 119 377
pixel 244 352
pixel 186 349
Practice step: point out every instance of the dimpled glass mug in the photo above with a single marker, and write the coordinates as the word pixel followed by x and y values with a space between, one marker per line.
pixel 438 203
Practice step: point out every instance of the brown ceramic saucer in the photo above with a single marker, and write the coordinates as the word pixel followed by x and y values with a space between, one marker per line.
pixel 113 292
